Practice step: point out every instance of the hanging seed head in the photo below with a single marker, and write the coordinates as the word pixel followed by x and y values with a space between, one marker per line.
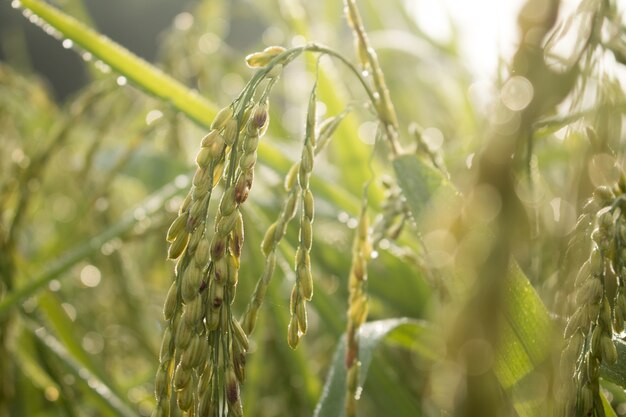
pixel 270 265
pixel 609 352
pixel 240 335
pixel 237 236
pixel 232 386
pixel 575 322
pixel 251 142
pixel 242 189
pixel 260 117
pixel 190 285
pixel 177 227
pixel 225 224
pixel 210 139
pixel 200 177
pixel 206 407
pixel 183 333
pixel 194 310
pixel 262 59
pixel 220 269
pixel 618 320
pixel 204 157
pixel 216 294
pixel 596 338
pixel 605 315
pixel 223 117
pixel 178 246
pixel 306 234
pixel 201 256
pixel 305 281
pixel 292 176
pixel 591 292
pixel 218 247
pixel 185 205
pixel 160 382
pixel 308 204
pixel 306 162
pixel 303 176
pixel 233 271
pixel 292 333
pixel 165 354
pixel 227 204
pixel 301 316
pixel 247 161
pixel 184 399
pixel 268 239
pixel 290 206
pixel 170 302
pixel 212 318
pixel 196 236
pixel 249 320
pixel 182 376
pixel 596 262
pixel 231 130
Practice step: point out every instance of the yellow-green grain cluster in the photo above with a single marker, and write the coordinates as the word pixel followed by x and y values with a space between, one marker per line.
pixel 303 288
pixel 276 231
pixel 358 306
pixel 203 351
pixel 600 300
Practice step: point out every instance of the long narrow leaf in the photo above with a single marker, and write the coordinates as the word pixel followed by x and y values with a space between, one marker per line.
pixel 524 342
pixel 332 401
pixel 94 384
pixel 150 206
pixel 135 69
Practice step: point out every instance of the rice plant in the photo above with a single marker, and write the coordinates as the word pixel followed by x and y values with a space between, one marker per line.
pixel 319 223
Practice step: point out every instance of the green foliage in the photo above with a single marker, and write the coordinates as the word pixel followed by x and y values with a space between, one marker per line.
pixel 453 300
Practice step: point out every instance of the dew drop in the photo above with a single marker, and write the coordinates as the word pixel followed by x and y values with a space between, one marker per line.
pixel 181 181
pixel 365 73
pixel 67 43
pixel 87 56
pixel 54 285
pixel 517 93
pixel 183 21
pixel 16 4
pixel 153 115
pixel 90 276
pixel 121 81
pixel 343 217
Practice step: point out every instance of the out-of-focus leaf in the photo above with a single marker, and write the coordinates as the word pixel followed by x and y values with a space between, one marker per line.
pixel 608 410
pixel 525 341
pixel 332 401
pixel 419 182
pixel 153 204
pixel 135 69
pixel 107 398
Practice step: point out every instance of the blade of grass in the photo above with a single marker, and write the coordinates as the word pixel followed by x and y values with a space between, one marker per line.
pixel 152 205
pixel 135 69
pixel 332 400
pixel 524 343
pixel 155 82
pixel 105 396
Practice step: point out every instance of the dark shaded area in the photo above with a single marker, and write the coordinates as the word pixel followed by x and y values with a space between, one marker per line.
pixel 135 24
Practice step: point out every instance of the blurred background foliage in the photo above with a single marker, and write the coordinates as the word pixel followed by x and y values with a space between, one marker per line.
pixel 93 170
